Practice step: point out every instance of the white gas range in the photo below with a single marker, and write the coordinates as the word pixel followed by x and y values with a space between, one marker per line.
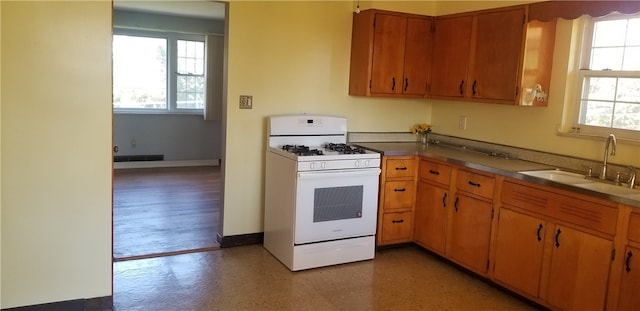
pixel 321 195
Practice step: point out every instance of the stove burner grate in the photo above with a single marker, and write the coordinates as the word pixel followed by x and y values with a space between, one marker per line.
pixel 345 149
pixel 301 150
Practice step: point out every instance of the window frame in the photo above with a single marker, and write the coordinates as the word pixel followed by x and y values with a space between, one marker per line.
pixel 587 25
pixel 171 70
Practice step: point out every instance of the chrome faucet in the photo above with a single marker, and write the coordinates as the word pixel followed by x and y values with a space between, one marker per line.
pixel 611 139
pixel 632 178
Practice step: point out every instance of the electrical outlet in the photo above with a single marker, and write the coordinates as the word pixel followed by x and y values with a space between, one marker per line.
pixel 462 122
pixel 246 101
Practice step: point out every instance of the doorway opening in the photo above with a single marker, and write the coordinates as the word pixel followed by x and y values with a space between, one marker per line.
pixel 172 206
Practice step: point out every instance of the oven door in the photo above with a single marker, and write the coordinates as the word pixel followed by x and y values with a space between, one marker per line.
pixel 336 204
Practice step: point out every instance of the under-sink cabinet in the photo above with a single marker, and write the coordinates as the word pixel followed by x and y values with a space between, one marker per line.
pixel 390 54
pixel 397 199
pixel 554 247
pixel 628 298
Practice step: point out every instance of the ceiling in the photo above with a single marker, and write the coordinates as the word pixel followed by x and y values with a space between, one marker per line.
pixel 195 8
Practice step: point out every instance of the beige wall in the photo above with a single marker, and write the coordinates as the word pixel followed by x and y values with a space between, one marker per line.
pixel 56 141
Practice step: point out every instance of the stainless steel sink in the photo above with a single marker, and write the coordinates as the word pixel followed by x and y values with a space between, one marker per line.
pixel 579 180
pixel 562 177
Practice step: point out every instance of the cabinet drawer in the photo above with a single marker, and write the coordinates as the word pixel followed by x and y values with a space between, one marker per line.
pixel 436 172
pixel 397 227
pixel 399 194
pixel 634 227
pixel 400 168
pixel 475 183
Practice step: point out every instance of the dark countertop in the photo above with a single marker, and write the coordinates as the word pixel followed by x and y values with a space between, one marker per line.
pixel 488 163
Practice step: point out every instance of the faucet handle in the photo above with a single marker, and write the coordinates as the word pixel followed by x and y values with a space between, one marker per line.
pixel 632 177
pixel 589 171
pixel 617 180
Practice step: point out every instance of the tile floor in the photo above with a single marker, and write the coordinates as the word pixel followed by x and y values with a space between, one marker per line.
pixel 249 278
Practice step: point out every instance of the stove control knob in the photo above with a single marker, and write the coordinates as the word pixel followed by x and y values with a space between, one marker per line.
pixel 312 165
pixel 323 165
pixel 366 163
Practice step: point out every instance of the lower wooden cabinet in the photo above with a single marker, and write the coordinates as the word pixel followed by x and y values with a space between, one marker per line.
pixel 579 270
pixel 456 226
pixel 397 227
pixel 518 251
pixel 563 267
pixel 397 199
pixel 431 217
pixel 469 232
pixel 554 246
pixel 629 298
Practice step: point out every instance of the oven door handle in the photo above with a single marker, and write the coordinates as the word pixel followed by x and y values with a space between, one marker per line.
pixel 339 173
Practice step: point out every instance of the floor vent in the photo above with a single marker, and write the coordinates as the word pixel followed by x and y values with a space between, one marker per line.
pixel 143 157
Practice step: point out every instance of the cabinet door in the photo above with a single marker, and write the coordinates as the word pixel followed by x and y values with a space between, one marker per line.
pixel 450 57
pixel 579 270
pixel 430 217
pixel 417 56
pixel 470 233
pixel 388 53
pixel 630 286
pixel 518 255
pixel 498 50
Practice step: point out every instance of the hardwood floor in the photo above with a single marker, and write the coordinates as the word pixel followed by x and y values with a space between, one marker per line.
pixel 164 211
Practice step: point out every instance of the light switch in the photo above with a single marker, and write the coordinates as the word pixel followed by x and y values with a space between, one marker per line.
pixel 246 101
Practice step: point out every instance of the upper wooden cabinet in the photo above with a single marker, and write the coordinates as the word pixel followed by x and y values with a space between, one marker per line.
pixel 495 57
pixel 390 54
pixel 491 56
pixel 450 56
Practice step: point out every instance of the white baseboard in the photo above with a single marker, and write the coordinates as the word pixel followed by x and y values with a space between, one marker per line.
pixel 152 164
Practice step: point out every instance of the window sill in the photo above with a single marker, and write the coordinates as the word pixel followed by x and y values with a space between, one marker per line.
pixel 161 112
pixel 594 136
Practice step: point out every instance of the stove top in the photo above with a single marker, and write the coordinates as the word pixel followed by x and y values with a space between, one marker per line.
pixel 330 149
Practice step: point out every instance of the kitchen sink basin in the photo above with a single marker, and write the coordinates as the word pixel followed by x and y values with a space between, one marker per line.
pixel 559 176
pixel 579 180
